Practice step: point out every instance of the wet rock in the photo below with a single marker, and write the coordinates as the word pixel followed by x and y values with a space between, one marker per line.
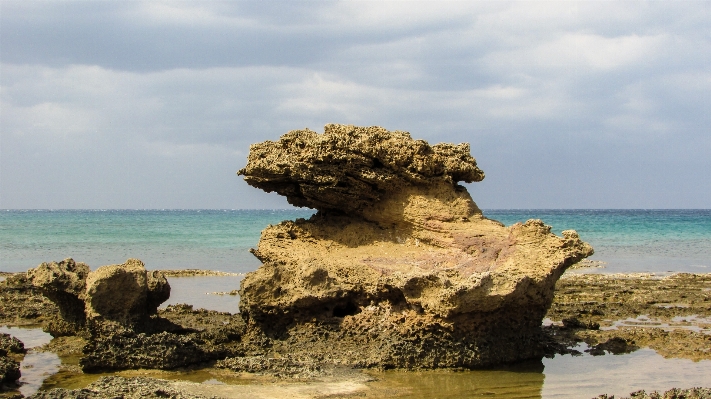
pixel 10 344
pixel 615 345
pixel 114 309
pixel 399 264
pixel 179 336
pixel 128 350
pixel 284 367
pixel 674 393
pixel 9 367
pixel 119 387
pixel 573 323
pixel 668 313
pixel 9 370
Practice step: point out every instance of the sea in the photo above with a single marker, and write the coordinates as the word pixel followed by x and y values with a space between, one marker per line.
pixel 659 241
pixel 637 240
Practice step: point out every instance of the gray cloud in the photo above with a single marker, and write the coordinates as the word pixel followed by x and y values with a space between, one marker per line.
pixel 154 104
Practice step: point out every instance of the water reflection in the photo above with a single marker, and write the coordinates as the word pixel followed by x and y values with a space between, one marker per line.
pixel 588 376
pixel 560 377
pixel 30 336
pixel 35 366
pixel 524 380
pixel 199 292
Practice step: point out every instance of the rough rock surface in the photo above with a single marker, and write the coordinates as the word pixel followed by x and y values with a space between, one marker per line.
pixel 617 313
pixel 9 367
pixel 399 263
pixel 674 393
pixel 115 309
pixel 64 284
pixel 350 168
pixel 23 304
pixel 119 387
pixel 125 294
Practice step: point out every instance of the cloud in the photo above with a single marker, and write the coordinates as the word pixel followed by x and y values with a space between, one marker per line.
pixel 542 90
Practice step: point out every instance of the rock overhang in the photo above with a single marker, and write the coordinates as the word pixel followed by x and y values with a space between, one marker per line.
pixel 399 246
pixel 349 168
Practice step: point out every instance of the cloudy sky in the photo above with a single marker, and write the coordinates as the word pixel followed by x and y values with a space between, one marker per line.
pixel 154 104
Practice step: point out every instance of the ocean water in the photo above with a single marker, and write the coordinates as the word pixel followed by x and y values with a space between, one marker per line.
pixel 627 240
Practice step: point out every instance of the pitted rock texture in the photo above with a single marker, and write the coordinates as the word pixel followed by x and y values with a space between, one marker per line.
pixel 399 263
pixel 125 294
pixel 64 284
pixel 9 367
pixel 115 387
pixel 350 168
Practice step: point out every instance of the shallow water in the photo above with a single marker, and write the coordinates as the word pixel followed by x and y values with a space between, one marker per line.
pixel 200 291
pixel 35 366
pixel 560 377
pixel 566 376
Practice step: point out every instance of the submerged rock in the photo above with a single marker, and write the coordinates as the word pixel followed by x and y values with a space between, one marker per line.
pixel 398 267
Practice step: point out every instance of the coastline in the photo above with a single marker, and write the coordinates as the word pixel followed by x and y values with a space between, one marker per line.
pixel 606 314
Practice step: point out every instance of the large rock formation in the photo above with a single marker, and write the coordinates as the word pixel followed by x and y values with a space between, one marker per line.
pixel 115 309
pixel 398 268
pixel 125 294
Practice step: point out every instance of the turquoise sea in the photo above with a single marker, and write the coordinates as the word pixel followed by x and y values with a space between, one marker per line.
pixel 628 240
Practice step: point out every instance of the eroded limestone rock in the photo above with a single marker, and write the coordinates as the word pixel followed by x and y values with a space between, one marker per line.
pixel 64 284
pixel 9 367
pixel 125 294
pixel 115 310
pixel 399 268
pixel 349 168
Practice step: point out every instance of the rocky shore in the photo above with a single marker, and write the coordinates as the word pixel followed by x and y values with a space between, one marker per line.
pixel 398 269
pixel 581 303
pixel 617 313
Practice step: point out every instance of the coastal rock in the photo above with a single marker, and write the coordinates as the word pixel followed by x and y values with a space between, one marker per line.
pixel 125 294
pixel 115 310
pixel 674 393
pixel 10 344
pixel 9 370
pixel 113 387
pixel 9 367
pixel 398 265
pixel 64 284
pixel 349 168
pixel 164 350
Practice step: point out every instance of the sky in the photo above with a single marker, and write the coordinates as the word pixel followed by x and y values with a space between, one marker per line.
pixel 145 105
